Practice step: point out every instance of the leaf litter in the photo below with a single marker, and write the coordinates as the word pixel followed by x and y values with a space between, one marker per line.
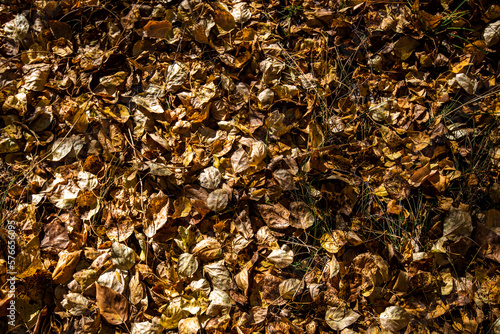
pixel 234 166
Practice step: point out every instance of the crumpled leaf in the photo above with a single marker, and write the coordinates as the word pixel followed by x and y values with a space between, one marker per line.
pixel 64 196
pixel 241 12
pixel 75 304
pixel 285 179
pixel 220 302
pixel 115 279
pixel 491 33
pixel 219 275
pixel 207 249
pixel 145 327
pixel 189 326
pixel 266 98
pixel 17 28
pixel 258 151
pixel 187 265
pixel 210 178
pixel 56 237
pixel 271 70
pixel 177 74
pixel 35 76
pixel 334 241
pixel 149 103
pixel 172 314
pixel 87 181
pixel 62 147
pixel 242 280
pixel 466 83
pixel 66 266
pixel 119 226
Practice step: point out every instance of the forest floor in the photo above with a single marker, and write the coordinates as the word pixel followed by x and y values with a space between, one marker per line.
pixel 249 167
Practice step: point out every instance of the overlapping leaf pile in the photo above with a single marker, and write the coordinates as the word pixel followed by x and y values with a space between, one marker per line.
pixel 282 166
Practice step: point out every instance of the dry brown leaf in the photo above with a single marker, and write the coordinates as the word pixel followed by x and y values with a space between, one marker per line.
pixel 240 161
pixel 187 265
pixel 301 216
pixel 285 179
pixel 275 216
pixel 281 258
pixel 207 249
pixel 157 214
pixel 340 317
pixel 334 241
pixel 223 18
pixel 210 178
pixel 112 306
pixel 491 33
pixel 458 223
pixel 394 318
pixel 182 207
pixel 218 200
pixel 66 266
pixel 290 288
pixel 219 275
pixel 157 29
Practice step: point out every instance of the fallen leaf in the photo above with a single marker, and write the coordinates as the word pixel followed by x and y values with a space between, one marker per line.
pixel 210 178
pixel 290 288
pixel 275 216
pixel 457 223
pixel 223 18
pixel 240 161
pixel 281 258
pixel 123 256
pixel 301 216
pixel 491 33
pixel 66 266
pixel 394 318
pixel 112 306
pixel 340 317
pixel 218 200
pixel 157 29
pixel 187 265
